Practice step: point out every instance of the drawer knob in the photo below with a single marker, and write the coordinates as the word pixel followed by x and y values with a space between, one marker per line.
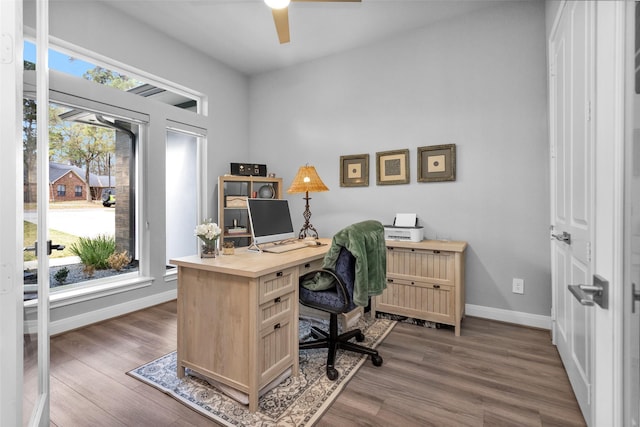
pixel 390 280
pixel 307 265
pixel 277 300
pixel 276 326
pixel 436 286
pixel 413 250
pixel 279 274
pixel 436 252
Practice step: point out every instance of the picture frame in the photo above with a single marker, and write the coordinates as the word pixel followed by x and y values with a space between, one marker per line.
pixel 392 167
pixel 354 170
pixel 437 163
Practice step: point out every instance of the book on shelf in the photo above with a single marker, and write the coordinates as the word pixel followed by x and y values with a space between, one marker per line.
pixel 237 230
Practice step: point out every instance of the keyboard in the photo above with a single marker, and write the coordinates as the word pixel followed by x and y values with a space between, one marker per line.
pixel 285 247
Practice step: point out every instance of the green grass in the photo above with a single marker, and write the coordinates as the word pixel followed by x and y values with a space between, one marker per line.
pixel 57 237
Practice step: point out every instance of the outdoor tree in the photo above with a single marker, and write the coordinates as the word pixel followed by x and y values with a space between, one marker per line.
pixel 29 136
pixel 82 145
pixel 110 78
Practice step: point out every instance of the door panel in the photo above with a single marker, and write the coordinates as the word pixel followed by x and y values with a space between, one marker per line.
pixel 571 135
pixel 632 225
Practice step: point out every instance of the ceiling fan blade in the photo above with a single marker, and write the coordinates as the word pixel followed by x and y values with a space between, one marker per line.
pixel 281 18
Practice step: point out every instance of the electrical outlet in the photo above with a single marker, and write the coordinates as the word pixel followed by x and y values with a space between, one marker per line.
pixel 518 286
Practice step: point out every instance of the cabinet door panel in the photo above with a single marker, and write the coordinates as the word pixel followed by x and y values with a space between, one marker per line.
pixel 276 354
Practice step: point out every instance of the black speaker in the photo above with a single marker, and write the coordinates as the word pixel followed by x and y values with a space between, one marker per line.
pixel 248 169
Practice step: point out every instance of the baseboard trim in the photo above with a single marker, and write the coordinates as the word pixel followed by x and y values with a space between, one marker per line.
pixel 84 319
pixel 509 316
pixel 75 322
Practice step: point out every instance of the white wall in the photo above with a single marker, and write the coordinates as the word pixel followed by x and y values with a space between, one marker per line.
pixel 478 81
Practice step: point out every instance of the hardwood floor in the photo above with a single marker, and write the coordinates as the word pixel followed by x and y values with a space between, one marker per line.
pixel 495 374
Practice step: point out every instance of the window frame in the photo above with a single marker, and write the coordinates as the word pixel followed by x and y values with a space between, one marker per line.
pixel 153 118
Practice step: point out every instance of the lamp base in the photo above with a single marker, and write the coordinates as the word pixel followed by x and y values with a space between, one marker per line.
pixel 307 229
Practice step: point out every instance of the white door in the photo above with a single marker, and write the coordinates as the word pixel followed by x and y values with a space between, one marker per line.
pixel 571 88
pixel 10 216
pixel 632 228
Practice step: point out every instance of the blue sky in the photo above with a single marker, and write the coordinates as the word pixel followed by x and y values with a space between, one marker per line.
pixel 58 61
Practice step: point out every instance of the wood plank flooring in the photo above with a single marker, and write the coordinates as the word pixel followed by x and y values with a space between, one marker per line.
pixel 495 374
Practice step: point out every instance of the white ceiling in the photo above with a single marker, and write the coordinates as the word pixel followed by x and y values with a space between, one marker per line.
pixel 241 33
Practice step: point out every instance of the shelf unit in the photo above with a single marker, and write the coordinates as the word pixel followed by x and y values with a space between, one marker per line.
pixel 232 192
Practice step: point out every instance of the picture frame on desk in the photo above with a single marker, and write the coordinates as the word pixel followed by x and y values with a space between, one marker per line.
pixel 437 163
pixel 354 170
pixel 392 167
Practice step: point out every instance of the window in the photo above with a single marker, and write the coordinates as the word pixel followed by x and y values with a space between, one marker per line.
pixel 75 66
pixel 96 146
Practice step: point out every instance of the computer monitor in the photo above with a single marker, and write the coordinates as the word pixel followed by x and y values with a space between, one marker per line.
pixel 270 220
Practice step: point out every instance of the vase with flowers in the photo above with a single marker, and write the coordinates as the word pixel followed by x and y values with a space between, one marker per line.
pixel 209 233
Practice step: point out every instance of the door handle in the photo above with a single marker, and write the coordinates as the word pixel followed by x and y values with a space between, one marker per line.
pixel 588 295
pixel 50 247
pixel 564 237
pixel 635 297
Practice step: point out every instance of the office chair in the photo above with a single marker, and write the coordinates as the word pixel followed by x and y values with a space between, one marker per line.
pixel 340 288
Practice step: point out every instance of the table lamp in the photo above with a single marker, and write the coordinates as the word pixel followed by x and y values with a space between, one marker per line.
pixel 305 181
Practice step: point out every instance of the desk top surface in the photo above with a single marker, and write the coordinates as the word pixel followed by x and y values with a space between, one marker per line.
pixel 254 264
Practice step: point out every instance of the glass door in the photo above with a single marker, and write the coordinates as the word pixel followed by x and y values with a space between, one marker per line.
pixel 36 380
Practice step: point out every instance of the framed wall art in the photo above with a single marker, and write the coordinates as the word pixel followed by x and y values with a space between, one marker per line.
pixel 437 163
pixel 354 170
pixel 392 167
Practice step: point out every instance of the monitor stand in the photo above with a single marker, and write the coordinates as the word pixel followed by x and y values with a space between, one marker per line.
pixel 254 248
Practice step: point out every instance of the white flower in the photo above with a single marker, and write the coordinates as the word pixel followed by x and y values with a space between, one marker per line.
pixel 208 231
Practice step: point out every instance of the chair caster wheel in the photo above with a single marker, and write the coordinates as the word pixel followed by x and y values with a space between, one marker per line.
pixel 332 374
pixel 360 337
pixel 377 360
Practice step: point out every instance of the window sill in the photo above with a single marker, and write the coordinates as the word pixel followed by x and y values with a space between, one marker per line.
pixel 95 290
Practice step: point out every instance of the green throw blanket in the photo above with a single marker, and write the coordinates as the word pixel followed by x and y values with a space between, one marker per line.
pixel 365 241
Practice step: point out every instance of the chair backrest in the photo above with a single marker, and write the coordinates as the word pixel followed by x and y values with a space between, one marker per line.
pixel 346 270
pixel 357 257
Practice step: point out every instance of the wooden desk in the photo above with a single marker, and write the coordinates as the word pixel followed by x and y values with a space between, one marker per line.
pixel 238 315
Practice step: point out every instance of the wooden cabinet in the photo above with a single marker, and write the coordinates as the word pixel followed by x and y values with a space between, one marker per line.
pixel 425 280
pixel 233 192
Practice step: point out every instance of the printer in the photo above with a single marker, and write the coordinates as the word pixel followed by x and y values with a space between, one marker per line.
pixel 405 228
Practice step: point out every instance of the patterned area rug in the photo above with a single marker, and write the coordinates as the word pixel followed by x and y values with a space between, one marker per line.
pixel 294 402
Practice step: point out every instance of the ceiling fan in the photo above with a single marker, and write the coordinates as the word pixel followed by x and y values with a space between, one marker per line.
pixel 280 10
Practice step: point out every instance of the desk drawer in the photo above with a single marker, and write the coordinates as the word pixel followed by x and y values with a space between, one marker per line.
pixel 276 309
pixel 316 264
pixel 420 264
pixel 419 299
pixel 277 284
